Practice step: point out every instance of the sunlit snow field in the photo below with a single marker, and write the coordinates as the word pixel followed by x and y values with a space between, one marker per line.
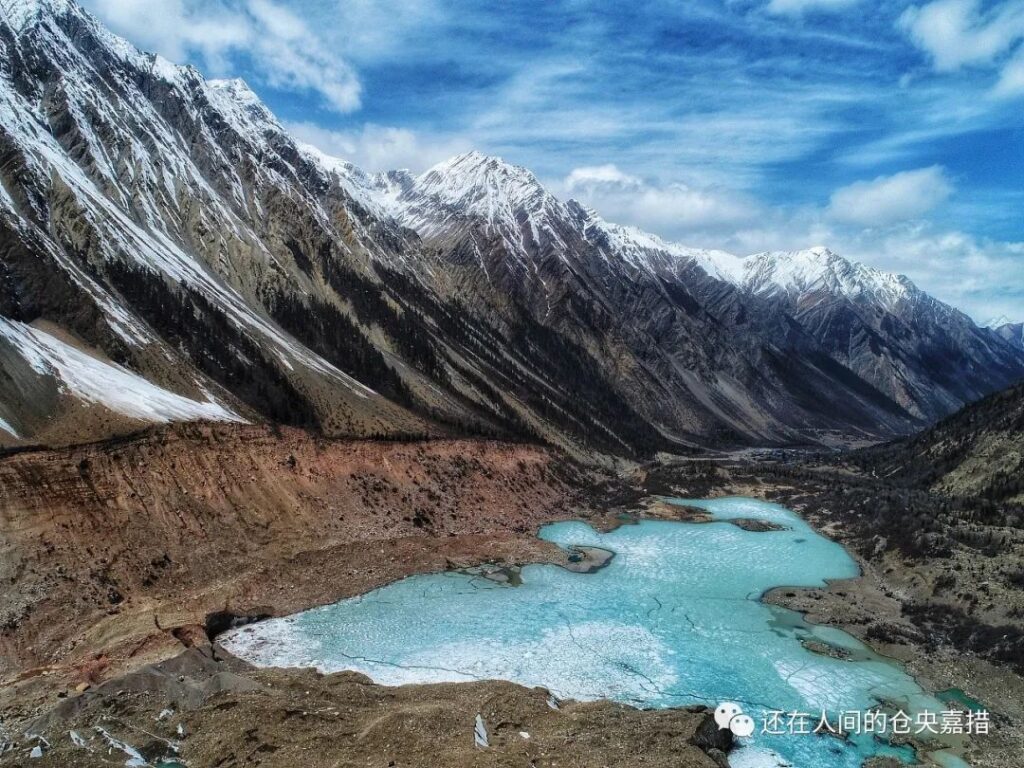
pixel 674 619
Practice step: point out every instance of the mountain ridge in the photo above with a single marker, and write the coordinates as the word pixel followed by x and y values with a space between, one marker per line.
pixel 181 234
pixel 819 288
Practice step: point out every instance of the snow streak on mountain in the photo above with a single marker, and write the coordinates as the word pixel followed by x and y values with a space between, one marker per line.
pixel 164 233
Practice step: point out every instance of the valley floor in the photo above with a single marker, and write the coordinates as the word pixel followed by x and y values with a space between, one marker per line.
pixel 130 553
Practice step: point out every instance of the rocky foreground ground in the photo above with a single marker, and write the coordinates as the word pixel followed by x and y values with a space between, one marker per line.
pixel 208 709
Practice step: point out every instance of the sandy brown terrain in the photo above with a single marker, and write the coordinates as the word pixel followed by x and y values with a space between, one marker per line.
pixel 117 552
pixel 123 557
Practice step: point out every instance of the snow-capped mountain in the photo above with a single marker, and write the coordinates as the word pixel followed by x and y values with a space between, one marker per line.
pixel 920 353
pixel 997 322
pixel 820 271
pixel 164 220
pixel 1005 328
pixel 165 233
pixel 925 355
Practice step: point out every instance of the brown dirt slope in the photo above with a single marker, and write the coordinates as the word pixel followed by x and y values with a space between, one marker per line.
pixel 113 554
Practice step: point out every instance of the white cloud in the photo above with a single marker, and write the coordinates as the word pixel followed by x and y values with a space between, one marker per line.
pixel 380 148
pixel 596 176
pixel 798 7
pixel 959 33
pixel 889 199
pixel 665 209
pixel 1011 80
pixel 277 43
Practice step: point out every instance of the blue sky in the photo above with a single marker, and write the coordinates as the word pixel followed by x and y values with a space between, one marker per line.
pixel 891 131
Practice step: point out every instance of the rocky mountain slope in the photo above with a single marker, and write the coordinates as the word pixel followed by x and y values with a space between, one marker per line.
pixel 1012 332
pixel 976 453
pixel 777 332
pixel 168 252
pixel 922 354
pixel 925 355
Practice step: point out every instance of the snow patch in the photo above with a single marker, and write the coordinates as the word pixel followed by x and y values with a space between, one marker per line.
pixel 6 427
pixel 103 383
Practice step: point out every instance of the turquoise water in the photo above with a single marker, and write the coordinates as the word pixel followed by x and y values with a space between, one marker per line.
pixel 674 619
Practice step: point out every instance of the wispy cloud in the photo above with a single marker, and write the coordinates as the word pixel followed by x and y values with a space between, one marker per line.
pixel 888 199
pixel 380 148
pixel 271 39
pixel 658 208
pixel 959 33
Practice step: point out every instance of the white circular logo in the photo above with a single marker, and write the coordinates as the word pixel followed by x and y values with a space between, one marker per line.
pixel 730 715
pixel 725 712
pixel 742 726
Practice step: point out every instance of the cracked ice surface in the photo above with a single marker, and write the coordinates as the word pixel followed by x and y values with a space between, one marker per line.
pixel 674 619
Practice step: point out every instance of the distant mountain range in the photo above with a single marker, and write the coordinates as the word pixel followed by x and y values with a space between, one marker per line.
pixel 168 251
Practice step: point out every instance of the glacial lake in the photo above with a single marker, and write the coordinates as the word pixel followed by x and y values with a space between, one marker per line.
pixel 674 619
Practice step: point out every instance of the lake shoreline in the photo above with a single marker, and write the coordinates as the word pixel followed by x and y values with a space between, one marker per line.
pixel 273 648
pixel 857 604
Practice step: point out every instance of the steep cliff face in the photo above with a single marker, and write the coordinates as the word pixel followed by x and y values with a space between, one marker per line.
pixel 138 537
pixel 163 232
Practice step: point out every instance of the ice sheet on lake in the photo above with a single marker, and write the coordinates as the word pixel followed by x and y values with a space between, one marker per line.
pixel 674 619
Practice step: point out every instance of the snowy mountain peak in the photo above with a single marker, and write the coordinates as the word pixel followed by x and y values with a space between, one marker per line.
pixel 242 108
pixel 1012 332
pixel 820 251
pixel 820 269
pixel 237 89
pixel 21 14
pixel 998 322
pixel 482 184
